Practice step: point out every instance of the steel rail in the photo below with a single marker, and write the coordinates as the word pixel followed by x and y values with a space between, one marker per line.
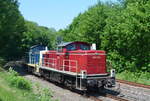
pixel 133 83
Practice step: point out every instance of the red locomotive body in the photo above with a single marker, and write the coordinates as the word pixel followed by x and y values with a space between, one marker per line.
pixel 93 62
pixel 77 65
pixel 76 60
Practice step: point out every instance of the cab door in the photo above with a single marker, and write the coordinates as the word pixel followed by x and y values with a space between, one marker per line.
pixel 60 58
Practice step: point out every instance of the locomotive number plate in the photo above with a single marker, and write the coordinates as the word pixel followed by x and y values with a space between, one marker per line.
pixel 96 57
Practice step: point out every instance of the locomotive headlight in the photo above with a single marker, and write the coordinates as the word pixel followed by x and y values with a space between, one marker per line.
pixel 112 73
pixel 83 74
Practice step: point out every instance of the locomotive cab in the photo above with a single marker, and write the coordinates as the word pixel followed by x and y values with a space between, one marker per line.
pixel 73 46
pixel 90 61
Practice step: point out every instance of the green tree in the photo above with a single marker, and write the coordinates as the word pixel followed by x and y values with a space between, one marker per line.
pixel 122 29
pixel 130 35
pixel 11 29
pixel 88 26
pixel 36 34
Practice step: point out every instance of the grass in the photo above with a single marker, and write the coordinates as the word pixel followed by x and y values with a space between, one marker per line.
pixel 9 93
pixel 13 88
pixel 18 81
pixel 138 77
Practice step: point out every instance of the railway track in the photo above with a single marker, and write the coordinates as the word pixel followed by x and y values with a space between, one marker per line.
pixel 134 91
pixel 133 84
pixel 90 95
pixel 116 98
pixel 111 94
pixel 108 96
pixel 114 94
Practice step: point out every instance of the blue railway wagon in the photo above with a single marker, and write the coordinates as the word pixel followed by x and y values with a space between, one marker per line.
pixel 34 53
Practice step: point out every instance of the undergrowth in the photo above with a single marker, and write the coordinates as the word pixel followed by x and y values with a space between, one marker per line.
pixel 18 81
pixel 138 77
pixel 16 88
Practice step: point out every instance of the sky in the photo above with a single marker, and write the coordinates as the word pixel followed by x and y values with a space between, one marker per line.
pixel 56 14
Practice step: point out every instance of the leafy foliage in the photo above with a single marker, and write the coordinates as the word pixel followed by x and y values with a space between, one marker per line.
pixel 130 35
pixel 36 34
pixel 43 94
pixel 18 81
pixel 17 35
pixel 13 93
pixel 122 29
pixel 11 29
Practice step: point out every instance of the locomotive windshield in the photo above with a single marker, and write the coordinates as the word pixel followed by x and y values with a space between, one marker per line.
pixel 84 47
pixel 72 47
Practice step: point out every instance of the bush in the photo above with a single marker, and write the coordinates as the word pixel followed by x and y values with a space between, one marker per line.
pixel 45 95
pixel 12 89
pixel 18 81
pixel 13 73
pixel 119 62
pixel 42 94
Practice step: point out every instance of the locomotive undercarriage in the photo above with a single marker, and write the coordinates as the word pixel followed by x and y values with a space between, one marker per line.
pixel 67 80
pixel 77 82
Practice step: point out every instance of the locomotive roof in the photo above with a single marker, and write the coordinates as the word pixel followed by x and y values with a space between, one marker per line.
pixel 67 43
pixel 36 46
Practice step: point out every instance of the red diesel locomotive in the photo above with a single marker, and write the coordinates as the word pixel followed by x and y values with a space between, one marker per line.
pixel 75 64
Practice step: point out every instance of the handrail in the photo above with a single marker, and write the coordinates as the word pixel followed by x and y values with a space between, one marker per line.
pixel 53 63
pixel 69 64
pixel 46 62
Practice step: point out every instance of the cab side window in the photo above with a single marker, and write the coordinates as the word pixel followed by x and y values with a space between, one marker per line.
pixel 59 49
